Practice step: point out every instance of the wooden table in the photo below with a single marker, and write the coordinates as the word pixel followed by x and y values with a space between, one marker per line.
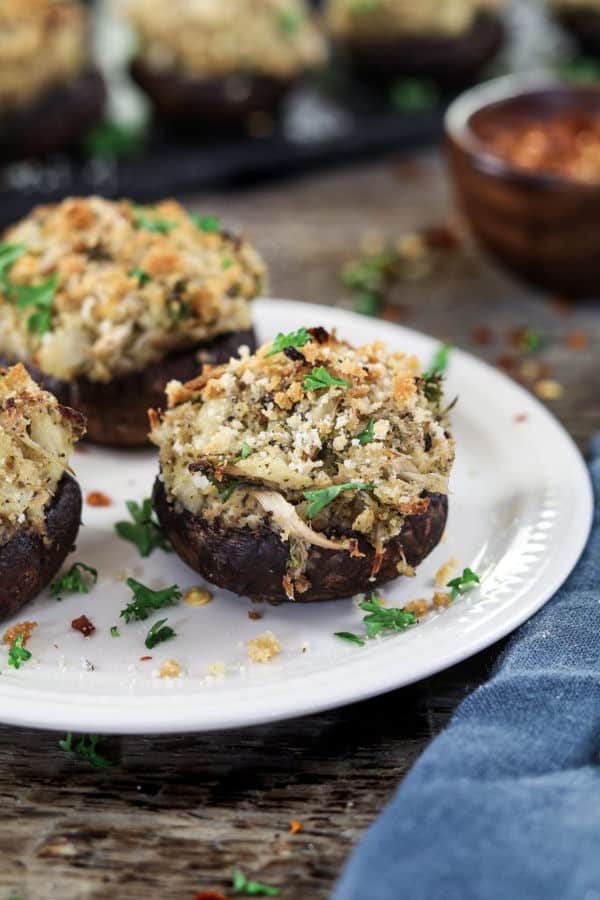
pixel 176 814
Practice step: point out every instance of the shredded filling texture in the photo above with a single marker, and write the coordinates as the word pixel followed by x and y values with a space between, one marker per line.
pixel 243 443
pixel 37 436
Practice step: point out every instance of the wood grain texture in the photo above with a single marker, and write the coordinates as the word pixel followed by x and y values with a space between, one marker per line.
pixel 175 815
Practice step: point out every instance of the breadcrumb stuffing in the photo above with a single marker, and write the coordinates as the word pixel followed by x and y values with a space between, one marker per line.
pixel 24 628
pixel 197 596
pixel 263 648
pixel 385 19
pixel 133 284
pixel 441 600
pixel 37 436
pixel 445 572
pixel 419 607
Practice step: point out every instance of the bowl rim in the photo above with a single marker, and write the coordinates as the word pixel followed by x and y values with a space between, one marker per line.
pixel 509 87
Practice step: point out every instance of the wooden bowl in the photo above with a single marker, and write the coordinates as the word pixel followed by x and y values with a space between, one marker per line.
pixel 543 227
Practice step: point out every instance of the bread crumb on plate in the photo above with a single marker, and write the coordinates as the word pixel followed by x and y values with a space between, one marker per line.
pixel 263 648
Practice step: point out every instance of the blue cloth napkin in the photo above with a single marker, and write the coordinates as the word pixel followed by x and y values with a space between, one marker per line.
pixel 505 803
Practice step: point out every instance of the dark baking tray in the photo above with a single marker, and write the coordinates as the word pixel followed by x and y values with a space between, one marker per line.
pixel 320 125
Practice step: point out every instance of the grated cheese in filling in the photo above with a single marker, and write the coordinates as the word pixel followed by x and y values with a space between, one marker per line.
pixel 133 285
pixel 43 43
pixel 244 441
pixel 36 437
pixel 214 38
pixel 388 18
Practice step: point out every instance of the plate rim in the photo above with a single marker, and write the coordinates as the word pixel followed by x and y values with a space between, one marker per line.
pixel 179 718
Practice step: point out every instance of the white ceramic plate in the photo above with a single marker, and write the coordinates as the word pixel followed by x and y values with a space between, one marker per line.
pixel 521 510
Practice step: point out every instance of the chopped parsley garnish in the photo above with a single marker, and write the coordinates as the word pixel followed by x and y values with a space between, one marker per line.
pixel 322 498
pixel 153 223
pixel 209 224
pixel 114 632
pixel 76 581
pixel 439 362
pixel 351 638
pixel 10 253
pixel 463 583
pixel 145 600
pixel 142 277
pixel 414 94
pixel 245 451
pixel 320 378
pixel 293 339
pixel 144 531
pixel 17 653
pixel 532 340
pixel 86 748
pixel 226 263
pixel 159 633
pixel 39 296
pixel 111 140
pixel 368 435
pixel 379 619
pixel 243 885
pixel 368 278
pixel 289 21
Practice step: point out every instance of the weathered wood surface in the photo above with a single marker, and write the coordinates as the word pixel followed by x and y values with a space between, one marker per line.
pixel 176 814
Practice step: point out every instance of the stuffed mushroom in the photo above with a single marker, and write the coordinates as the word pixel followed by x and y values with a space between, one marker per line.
pixel 105 302
pixel 50 93
pixel 309 471
pixel 449 40
pixel 207 64
pixel 40 503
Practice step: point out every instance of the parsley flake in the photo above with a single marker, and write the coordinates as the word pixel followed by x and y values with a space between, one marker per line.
pixel 293 339
pixel 142 277
pixel 323 497
pixel 351 638
pixel 113 140
pixel 463 583
pixel 159 633
pixel 10 253
pixel 76 581
pixel 243 885
pixel 439 363
pixel 114 632
pixel 86 748
pixel 245 451
pixel 382 618
pixel 39 296
pixel 145 530
pixel 226 263
pixel 208 224
pixel 368 435
pixel 17 653
pixel 145 600
pixel 320 378
pixel 289 21
pixel 152 223
pixel 414 94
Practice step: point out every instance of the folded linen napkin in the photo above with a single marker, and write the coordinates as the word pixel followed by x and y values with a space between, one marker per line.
pixel 505 803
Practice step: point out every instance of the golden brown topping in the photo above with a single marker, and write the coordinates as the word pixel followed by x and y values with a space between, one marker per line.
pixel 42 43
pixel 204 38
pixel 127 285
pixel 387 18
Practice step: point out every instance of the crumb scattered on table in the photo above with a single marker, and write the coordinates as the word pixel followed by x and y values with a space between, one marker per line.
pixel 170 669
pixel 445 572
pixel 198 596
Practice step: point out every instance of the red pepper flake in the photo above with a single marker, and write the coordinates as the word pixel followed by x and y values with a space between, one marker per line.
pixel 255 615
pixel 441 237
pixel 296 827
pixel 97 498
pixel 521 417
pixel 83 625
pixel 209 895
pixel 577 340
pixel 145 658
pixel 483 335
